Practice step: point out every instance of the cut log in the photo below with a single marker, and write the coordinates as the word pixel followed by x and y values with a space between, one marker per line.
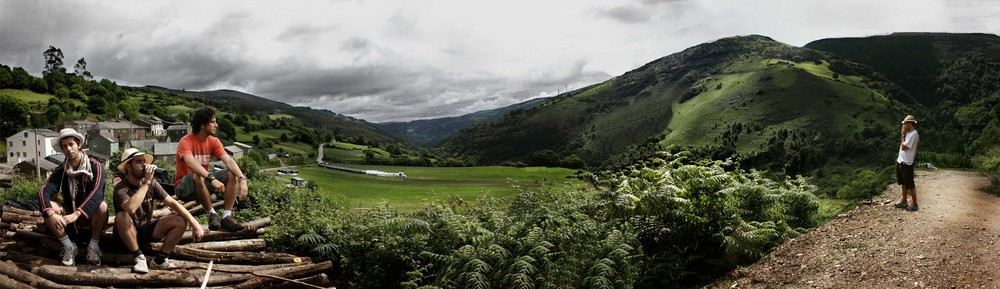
pixel 21 257
pixel 10 217
pixel 246 258
pixel 264 279
pixel 198 209
pixel 316 280
pixel 16 273
pixel 21 211
pixel 249 245
pixel 116 277
pixel 7 282
pixel 222 236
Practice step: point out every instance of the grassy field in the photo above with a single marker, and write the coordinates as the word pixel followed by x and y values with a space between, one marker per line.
pixel 346 152
pixel 26 96
pixel 424 185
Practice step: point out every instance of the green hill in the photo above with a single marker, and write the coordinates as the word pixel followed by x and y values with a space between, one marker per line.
pixel 432 131
pixel 954 77
pixel 773 104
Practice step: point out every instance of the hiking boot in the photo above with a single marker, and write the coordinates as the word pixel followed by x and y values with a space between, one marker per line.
pixel 214 222
pixel 68 255
pixel 913 208
pixel 140 265
pixel 167 264
pixel 94 255
pixel 231 224
pixel 901 204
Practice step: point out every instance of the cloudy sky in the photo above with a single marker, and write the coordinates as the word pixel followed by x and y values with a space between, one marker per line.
pixel 399 60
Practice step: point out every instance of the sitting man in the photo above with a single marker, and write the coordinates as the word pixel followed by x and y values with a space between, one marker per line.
pixel 80 183
pixel 195 182
pixel 134 223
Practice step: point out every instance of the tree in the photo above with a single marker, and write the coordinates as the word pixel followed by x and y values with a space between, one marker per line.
pixel 81 69
pixel 227 127
pixel 6 77
pixel 39 85
pixel 15 115
pixel 54 60
pixel 256 140
pixel 283 138
pixel 21 78
pixel 542 158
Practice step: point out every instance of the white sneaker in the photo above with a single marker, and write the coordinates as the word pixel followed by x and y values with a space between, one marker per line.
pixel 69 255
pixel 140 265
pixel 167 264
pixel 94 255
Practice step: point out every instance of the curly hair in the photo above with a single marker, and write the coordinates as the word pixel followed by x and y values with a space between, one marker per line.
pixel 200 117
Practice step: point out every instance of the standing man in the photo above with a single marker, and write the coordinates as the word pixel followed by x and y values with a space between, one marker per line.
pixel 904 162
pixel 134 223
pixel 80 183
pixel 194 181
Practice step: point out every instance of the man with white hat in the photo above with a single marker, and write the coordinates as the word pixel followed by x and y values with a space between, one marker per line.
pixel 80 182
pixel 134 223
pixel 904 162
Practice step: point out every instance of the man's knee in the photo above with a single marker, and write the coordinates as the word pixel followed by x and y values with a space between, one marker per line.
pixel 123 220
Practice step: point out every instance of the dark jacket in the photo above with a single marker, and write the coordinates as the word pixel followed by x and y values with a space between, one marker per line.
pixel 87 198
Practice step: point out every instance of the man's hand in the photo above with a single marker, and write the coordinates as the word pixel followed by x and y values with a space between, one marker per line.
pixel 150 170
pixel 218 186
pixel 197 232
pixel 243 190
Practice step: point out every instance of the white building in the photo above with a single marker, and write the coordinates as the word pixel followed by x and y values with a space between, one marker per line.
pixel 28 144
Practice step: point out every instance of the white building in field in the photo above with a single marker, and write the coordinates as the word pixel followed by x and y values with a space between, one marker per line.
pixel 29 144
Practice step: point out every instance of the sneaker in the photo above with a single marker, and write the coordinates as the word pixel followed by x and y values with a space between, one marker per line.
pixel 913 208
pixel 214 222
pixel 231 224
pixel 140 265
pixel 94 255
pixel 167 264
pixel 69 255
pixel 901 204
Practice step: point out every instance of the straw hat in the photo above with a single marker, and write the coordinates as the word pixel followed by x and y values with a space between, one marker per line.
pixel 130 153
pixel 910 118
pixel 64 133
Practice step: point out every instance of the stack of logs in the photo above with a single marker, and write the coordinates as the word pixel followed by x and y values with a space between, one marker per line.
pixel 30 259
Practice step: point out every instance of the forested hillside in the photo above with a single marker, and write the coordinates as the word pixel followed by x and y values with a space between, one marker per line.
pixel 765 103
pixel 955 79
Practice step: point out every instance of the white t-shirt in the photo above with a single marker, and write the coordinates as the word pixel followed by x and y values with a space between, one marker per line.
pixel 907 156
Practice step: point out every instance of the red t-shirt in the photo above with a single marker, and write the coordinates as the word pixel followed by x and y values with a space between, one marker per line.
pixel 201 150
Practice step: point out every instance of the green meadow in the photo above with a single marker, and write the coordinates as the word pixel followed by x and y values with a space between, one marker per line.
pixel 425 185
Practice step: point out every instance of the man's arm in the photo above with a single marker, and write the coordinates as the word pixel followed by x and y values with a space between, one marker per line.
pixel 235 169
pixel 49 189
pixel 95 197
pixel 199 171
pixel 196 230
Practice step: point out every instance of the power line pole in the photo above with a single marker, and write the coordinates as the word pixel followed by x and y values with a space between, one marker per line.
pixel 38 170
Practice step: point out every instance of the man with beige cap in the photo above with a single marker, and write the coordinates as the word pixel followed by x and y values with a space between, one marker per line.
pixel 134 204
pixel 909 138
pixel 80 183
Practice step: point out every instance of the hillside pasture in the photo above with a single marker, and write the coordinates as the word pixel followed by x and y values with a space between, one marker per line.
pixel 425 185
pixel 27 96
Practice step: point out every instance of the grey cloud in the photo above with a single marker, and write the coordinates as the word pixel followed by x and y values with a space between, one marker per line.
pixel 625 14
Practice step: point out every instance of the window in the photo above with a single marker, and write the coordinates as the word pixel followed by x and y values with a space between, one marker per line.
pixel 24 143
pixel 25 134
pixel 11 154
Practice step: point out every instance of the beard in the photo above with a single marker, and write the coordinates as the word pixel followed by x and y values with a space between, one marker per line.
pixel 138 174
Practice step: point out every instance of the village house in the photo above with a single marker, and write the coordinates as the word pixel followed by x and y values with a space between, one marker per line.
pixel 154 125
pixel 29 144
pixel 118 130
pixel 177 131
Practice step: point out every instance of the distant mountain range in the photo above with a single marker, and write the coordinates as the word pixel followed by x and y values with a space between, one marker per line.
pixel 432 131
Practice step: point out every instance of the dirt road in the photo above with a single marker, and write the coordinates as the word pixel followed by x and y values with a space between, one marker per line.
pixel 952 242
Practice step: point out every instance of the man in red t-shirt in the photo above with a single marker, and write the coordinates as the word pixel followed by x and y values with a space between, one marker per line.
pixel 195 182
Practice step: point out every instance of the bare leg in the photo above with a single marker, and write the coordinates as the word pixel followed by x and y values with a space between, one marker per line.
pixel 232 183
pixel 126 231
pixel 202 193
pixel 170 229
pixel 99 221
pixel 58 232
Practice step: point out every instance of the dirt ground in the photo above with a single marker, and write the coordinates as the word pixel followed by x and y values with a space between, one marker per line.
pixel 951 242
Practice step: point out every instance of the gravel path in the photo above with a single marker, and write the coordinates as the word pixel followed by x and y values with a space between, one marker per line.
pixel 952 242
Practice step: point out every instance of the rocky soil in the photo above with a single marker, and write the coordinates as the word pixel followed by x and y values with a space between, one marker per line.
pixel 951 242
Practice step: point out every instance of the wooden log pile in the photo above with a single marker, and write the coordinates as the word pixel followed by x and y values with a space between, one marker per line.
pixel 29 259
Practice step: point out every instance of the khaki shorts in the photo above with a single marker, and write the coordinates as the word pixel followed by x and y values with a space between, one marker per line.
pixel 185 190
